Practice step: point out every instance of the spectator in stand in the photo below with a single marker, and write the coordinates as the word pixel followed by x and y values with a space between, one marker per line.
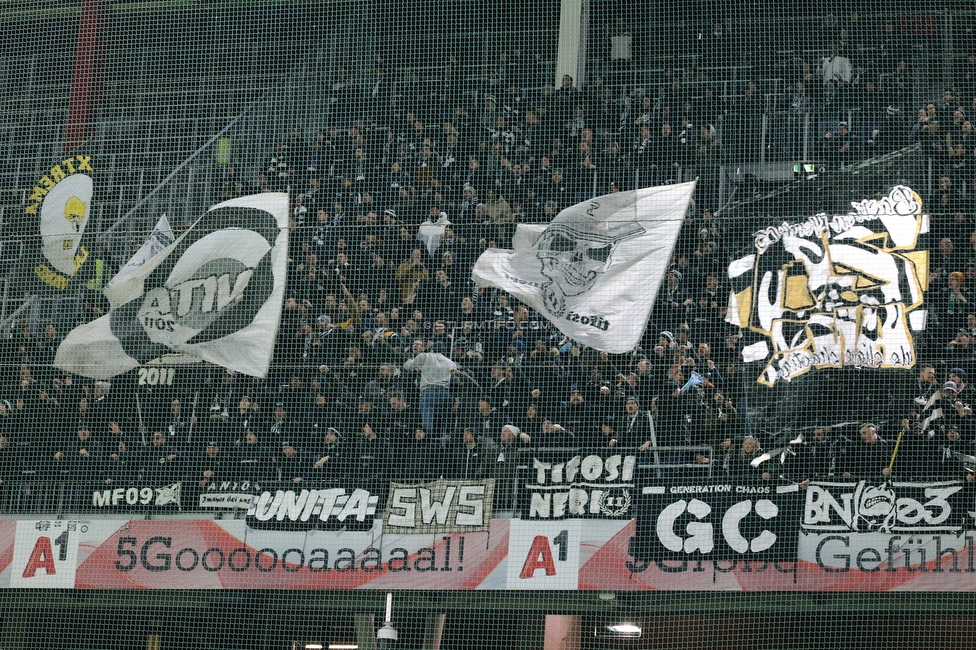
pixel 531 421
pixel 418 457
pixel 950 306
pixel 643 159
pixel 411 275
pixel 634 428
pixel 838 147
pixel 505 459
pixel 330 457
pixel 251 460
pixel 552 435
pixel 958 350
pixel 163 462
pixel 399 421
pixel 740 465
pixel 721 423
pixel 817 458
pixel 471 460
pixel 916 396
pixel 675 301
pixel 122 463
pixel 79 460
pixel 868 458
pixel 835 66
pixel 282 427
pixel 744 124
pixel 949 465
pixel 435 371
pixel 371 461
pixel 178 427
pixel 210 466
pixel 887 136
pixel 100 406
pixel 487 420
pixel 289 466
pixel 578 415
pixel 667 157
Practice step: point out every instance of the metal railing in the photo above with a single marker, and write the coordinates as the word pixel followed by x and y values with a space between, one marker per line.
pixel 38 493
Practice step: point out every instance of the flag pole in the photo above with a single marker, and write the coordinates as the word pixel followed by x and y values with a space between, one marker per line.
pixel 193 414
pixel 894 452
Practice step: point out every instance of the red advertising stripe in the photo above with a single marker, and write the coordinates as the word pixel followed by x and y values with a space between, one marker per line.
pixel 844 563
pixel 204 555
pixel 8 534
pixel 482 554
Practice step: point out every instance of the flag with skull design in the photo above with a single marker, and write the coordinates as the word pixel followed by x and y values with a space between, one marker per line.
pixel 594 271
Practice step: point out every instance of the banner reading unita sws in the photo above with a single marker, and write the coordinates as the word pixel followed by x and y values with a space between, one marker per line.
pixel 513 554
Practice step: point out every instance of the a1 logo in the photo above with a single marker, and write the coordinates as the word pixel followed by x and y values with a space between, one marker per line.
pixel 543 555
pixel 45 554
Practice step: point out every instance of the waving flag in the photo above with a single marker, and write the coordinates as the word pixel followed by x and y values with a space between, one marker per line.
pixel 594 271
pixel 693 381
pixel 56 220
pixel 834 291
pixel 215 294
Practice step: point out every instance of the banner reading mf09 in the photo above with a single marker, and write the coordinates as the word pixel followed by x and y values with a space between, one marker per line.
pixel 717 521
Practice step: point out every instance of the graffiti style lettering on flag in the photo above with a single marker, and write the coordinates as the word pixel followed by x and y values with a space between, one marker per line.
pixel 834 291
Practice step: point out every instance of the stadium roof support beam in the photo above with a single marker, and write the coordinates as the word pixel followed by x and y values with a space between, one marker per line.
pixel 574 18
pixel 13 11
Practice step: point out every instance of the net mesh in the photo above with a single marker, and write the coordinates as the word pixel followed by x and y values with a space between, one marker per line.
pixel 357 324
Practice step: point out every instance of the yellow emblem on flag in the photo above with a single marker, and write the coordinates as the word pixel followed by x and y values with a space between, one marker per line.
pixel 74 211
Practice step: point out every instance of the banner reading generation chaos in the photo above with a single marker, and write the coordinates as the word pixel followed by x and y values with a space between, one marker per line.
pixel 58 213
pixel 716 520
pixel 834 291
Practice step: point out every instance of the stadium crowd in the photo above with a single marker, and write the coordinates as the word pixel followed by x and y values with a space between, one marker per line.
pixel 391 365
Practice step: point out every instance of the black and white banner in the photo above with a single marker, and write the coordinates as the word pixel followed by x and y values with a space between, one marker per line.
pixel 564 485
pixel 889 507
pixel 594 271
pixel 227 495
pixel 142 496
pixel 834 291
pixel 440 507
pixel 327 509
pixel 717 521
pixel 215 295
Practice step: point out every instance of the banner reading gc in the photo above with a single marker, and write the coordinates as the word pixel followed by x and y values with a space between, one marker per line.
pixel 717 521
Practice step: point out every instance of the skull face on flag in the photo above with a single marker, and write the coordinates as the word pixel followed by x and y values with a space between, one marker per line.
pixel 595 269
pixel 574 254
pixel 834 291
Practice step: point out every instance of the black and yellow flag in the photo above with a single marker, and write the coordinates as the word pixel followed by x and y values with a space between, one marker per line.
pixel 56 226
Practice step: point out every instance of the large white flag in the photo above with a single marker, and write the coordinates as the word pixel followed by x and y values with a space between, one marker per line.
pixel 594 271
pixel 215 294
